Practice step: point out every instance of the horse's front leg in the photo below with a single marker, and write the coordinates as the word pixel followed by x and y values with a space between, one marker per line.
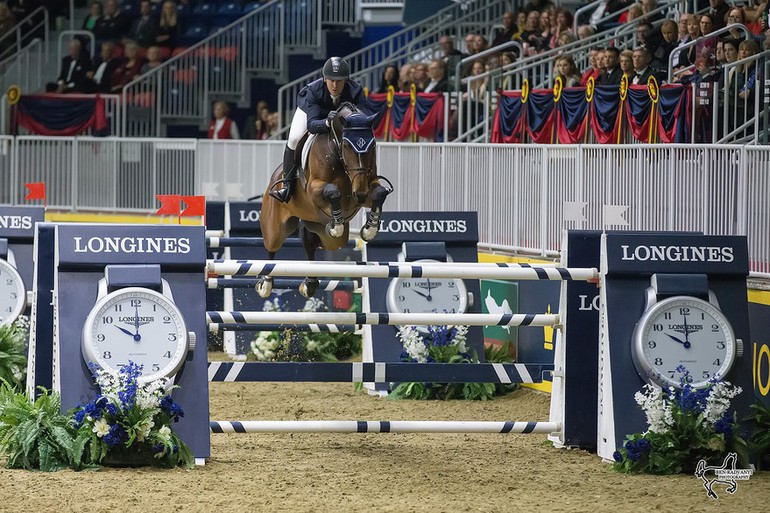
pixel 372 226
pixel 311 242
pixel 336 227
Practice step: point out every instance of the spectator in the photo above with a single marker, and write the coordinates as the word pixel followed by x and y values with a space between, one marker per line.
pixel 707 46
pixel 661 43
pixel 544 25
pixel 258 126
pixel 169 28
pixel 104 66
pixel 509 29
pixel 480 43
pixel 477 88
pixel 129 69
pixel 745 50
pixel 153 59
pixel 94 15
pixel 470 43
pixel 506 60
pixel 634 12
pixel 718 10
pixel 648 6
pixel 113 25
pixel 642 69
pixel 562 25
pixel 530 38
pixel 22 8
pixel 438 77
pixel 405 78
pixel 451 54
pixel 568 72
pixel 74 68
pixel 222 127
pixel 565 39
pixel 627 63
pixel 144 30
pixel 594 59
pixel 389 78
pixel 614 73
pixel 420 76
pixel 642 29
pixel 585 31
pixel 687 57
pixel 682 38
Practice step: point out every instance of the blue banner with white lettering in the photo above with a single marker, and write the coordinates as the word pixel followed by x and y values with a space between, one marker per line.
pixel 19 222
pixel 420 226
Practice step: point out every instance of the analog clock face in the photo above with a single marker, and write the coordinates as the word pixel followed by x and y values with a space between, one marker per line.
pixel 427 295
pixel 139 325
pixel 683 331
pixel 12 293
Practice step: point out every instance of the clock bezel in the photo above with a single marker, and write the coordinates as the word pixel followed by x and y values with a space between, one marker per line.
pixel 21 300
pixel 649 372
pixel 182 343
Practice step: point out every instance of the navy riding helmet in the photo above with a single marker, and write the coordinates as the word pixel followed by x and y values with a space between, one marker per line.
pixel 336 68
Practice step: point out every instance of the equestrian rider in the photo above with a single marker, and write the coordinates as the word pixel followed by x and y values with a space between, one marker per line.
pixel 316 109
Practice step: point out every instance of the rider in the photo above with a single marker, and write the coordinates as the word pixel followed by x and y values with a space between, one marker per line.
pixel 316 109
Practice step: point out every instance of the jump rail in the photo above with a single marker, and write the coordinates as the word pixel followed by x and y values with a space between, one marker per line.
pixel 380 426
pixel 250 283
pixel 258 242
pixel 399 270
pixel 379 372
pixel 380 319
pixel 314 328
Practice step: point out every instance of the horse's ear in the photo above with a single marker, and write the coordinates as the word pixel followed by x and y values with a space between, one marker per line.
pixel 370 120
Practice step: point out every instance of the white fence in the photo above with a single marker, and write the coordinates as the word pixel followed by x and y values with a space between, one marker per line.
pixel 519 191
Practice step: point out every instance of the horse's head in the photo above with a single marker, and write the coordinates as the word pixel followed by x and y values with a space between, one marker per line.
pixel 354 134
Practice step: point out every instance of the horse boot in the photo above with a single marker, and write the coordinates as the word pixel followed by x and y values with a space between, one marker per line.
pixel 289 175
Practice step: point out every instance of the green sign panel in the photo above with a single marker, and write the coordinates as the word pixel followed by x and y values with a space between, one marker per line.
pixel 500 297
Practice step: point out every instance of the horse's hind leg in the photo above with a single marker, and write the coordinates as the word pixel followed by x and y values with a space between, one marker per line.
pixel 311 242
pixel 372 226
pixel 276 226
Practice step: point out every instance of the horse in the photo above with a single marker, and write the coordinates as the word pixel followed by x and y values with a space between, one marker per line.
pixel 339 179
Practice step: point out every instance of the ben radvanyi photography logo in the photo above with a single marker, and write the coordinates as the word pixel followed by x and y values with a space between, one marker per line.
pixel 725 474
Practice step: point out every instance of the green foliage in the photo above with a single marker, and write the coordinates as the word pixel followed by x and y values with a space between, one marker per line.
pixel 684 426
pixel 446 344
pixel 759 443
pixel 35 435
pixel 13 353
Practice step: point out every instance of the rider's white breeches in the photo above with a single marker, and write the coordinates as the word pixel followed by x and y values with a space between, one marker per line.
pixel 298 128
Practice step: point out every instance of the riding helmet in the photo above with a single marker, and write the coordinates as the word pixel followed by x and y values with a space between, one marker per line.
pixel 336 68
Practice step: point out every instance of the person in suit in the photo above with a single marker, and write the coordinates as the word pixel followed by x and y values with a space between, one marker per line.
pixel 113 25
pixel 614 73
pixel 103 68
pixel 642 69
pixel 438 80
pixel 144 30
pixel 73 74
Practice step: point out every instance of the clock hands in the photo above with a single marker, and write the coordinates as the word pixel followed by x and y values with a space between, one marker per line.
pixel 124 330
pixel 426 296
pixel 686 329
pixel 685 343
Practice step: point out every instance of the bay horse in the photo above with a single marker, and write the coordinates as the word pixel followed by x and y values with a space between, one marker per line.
pixel 339 179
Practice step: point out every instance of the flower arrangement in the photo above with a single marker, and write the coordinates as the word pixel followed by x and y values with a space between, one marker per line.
pixel 293 345
pixel 685 425
pixel 130 423
pixel 443 344
pixel 13 352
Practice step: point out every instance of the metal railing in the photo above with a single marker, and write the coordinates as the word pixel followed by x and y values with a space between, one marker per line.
pixel 368 63
pixel 736 118
pixel 26 69
pixel 340 13
pixel 519 191
pixel 710 36
pixel 34 25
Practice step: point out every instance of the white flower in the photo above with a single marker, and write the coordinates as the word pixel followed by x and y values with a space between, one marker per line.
pixel 272 306
pixel 718 400
pixel 314 305
pixel 164 432
pixel 657 408
pixel 101 428
pixel 144 430
pixel 413 343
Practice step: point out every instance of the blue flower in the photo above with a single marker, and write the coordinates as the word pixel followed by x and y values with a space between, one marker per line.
pixel 157 448
pixel 168 405
pixel 92 410
pixel 80 415
pixel 725 425
pixel 692 400
pixel 117 435
pixel 644 446
pixel 617 456
pixel 111 409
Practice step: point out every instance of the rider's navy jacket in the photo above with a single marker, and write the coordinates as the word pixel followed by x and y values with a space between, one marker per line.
pixel 315 101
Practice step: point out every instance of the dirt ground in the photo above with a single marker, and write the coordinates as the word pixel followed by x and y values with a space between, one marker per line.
pixel 373 472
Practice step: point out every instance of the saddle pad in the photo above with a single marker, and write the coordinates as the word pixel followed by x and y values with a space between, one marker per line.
pixel 306 150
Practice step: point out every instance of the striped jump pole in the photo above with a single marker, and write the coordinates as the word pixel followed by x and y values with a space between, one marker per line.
pixel 280 283
pixel 379 319
pixel 313 328
pixel 398 270
pixel 379 372
pixel 258 242
pixel 381 426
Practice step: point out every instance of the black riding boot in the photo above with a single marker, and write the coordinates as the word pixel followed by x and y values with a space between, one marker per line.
pixel 289 175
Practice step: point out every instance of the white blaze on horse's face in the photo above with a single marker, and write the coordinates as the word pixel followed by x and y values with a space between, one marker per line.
pixel 335 87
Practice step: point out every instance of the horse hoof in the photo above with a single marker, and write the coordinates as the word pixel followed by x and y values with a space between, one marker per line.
pixel 368 233
pixel 264 288
pixel 307 288
pixel 335 230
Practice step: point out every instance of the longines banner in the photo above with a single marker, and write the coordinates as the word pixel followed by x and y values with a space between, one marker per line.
pixel 421 226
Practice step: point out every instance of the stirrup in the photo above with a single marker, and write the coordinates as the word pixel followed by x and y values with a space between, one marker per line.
pixel 282 195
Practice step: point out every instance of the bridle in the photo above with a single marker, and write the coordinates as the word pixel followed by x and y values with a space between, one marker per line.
pixel 351 172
